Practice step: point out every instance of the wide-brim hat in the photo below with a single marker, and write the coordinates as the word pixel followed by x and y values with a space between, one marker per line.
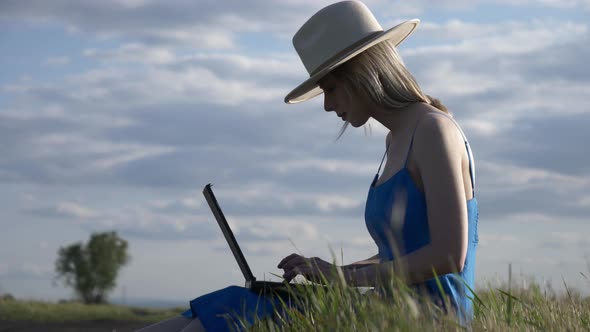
pixel 334 35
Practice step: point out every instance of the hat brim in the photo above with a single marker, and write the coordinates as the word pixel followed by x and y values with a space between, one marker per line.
pixel 310 88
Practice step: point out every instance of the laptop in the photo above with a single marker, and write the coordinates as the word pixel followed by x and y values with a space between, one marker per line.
pixel 251 282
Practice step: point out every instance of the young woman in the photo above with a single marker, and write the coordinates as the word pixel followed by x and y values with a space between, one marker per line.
pixel 421 211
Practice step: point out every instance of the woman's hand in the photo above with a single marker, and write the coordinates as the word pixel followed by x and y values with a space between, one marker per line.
pixel 313 269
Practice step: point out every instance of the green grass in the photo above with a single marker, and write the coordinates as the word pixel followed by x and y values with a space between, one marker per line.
pixel 37 311
pixel 342 308
pixel 532 309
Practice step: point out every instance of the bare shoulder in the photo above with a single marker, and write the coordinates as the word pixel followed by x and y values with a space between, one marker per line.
pixel 438 133
pixel 441 158
pixel 437 124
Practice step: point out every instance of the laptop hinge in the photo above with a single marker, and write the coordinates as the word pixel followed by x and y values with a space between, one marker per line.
pixel 250 283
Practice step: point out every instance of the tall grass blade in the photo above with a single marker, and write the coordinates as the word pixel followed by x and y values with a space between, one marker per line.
pixel 510 297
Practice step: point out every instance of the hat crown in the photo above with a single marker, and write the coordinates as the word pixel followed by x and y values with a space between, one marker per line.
pixel 332 30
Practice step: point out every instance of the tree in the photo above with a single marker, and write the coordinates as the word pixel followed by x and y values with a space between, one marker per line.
pixel 92 269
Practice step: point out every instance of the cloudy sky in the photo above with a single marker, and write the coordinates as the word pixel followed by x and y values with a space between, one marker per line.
pixel 114 114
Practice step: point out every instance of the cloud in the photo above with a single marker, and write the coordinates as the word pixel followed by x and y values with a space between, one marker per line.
pixel 563 240
pixel 61 210
pixel 162 114
pixel 497 240
pixel 507 38
pixel 74 210
pixel 133 53
pixel 219 25
pixel 569 4
pixel 190 84
pixel 186 205
pixel 262 199
pixel 425 6
pixel 360 242
pixel 148 132
pixel 498 58
pixel 508 189
pixel 264 249
pixel 141 223
pixel 57 60
pixel 146 127
pixel 502 81
pixel 201 25
pixel 59 156
pixel 506 176
pixel 26 271
pixel 274 228
pixel 330 166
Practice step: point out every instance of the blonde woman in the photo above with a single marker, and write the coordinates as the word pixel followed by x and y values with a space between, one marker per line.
pixel 421 211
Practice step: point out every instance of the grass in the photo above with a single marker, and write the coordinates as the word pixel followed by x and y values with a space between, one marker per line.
pixel 342 308
pixel 532 309
pixel 37 311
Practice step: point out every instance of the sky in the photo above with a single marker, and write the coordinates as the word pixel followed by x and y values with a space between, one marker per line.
pixel 115 114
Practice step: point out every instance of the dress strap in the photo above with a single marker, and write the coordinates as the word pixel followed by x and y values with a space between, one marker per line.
pixel 379 170
pixel 382 159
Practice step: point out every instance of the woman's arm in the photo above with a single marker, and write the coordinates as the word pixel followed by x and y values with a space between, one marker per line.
pixel 316 269
pixel 369 261
pixel 439 152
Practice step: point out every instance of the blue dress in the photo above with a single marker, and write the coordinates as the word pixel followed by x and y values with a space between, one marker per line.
pixel 398 194
pixel 396 217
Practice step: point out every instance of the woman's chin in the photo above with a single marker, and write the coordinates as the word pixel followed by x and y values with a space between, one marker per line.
pixel 357 124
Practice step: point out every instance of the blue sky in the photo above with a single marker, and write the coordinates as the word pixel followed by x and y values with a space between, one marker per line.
pixel 114 115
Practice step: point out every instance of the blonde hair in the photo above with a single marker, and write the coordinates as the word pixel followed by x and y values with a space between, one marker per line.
pixel 380 75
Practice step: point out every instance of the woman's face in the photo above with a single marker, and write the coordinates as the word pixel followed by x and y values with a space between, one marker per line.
pixel 348 105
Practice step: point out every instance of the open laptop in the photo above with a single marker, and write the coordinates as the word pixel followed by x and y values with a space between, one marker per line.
pixel 251 282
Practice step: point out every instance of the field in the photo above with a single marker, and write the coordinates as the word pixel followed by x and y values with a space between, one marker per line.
pixel 337 308
pixel 28 316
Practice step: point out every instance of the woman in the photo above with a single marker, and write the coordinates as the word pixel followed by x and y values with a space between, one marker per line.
pixel 421 210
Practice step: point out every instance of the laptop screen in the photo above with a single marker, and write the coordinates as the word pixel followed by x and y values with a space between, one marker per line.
pixel 229 235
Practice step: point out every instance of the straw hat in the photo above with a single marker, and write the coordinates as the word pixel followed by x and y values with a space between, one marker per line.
pixel 333 36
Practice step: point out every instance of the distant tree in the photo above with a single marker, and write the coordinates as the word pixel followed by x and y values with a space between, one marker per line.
pixel 92 269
